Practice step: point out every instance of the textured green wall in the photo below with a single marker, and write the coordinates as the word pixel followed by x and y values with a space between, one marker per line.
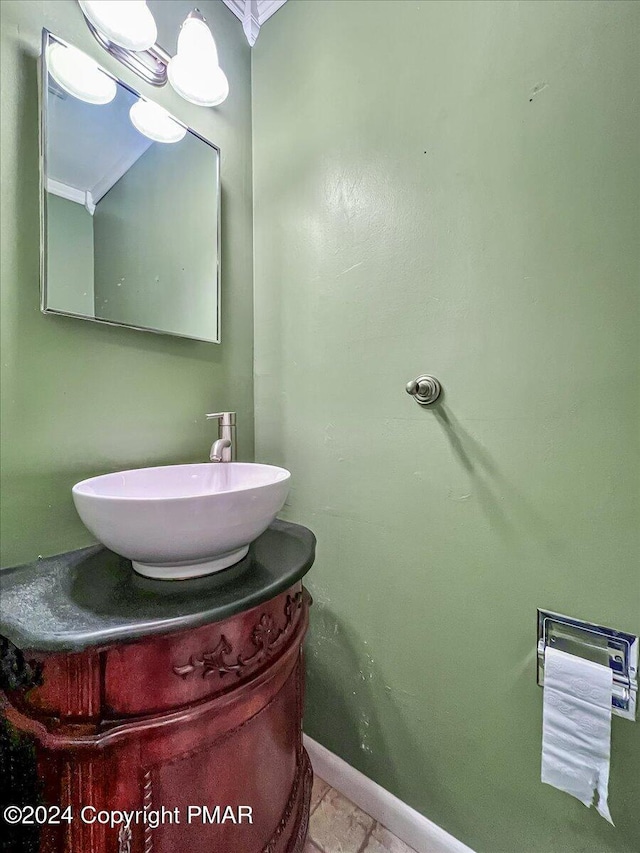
pixel 70 271
pixel 79 398
pixel 454 188
pixel 141 277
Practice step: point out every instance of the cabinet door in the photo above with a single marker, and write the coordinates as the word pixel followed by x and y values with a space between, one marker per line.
pixel 255 765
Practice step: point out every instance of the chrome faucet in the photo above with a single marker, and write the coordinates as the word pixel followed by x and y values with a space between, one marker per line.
pixel 224 449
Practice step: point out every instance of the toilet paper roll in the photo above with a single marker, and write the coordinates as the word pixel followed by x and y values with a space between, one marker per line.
pixel 576 727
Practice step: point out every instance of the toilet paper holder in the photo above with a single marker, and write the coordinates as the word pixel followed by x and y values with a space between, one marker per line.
pixel 605 646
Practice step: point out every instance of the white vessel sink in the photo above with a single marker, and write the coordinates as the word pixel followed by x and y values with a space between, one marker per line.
pixel 182 521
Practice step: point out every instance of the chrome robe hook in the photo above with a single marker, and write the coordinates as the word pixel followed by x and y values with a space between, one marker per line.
pixel 425 389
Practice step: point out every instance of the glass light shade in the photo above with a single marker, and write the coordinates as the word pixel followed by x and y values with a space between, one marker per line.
pixel 79 75
pixel 195 39
pixel 194 71
pixel 204 85
pixel 128 23
pixel 154 121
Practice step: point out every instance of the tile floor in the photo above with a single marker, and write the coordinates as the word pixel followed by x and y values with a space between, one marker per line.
pixel 339 826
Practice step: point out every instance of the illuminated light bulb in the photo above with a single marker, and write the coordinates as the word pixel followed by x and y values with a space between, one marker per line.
pixel 128 23
pixel 194 71
pixel 154 121
pixel 79 75
pixel 195 38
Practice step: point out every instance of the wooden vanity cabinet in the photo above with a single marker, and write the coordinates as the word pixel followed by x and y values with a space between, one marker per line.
pixel 206 718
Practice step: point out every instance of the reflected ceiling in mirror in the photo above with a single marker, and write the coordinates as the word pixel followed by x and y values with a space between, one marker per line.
pixel 130 205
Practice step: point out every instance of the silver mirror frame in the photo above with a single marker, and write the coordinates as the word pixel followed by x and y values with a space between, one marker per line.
pixel 47 38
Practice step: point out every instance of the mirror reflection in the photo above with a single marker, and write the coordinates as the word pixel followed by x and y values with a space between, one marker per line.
pixel 131 205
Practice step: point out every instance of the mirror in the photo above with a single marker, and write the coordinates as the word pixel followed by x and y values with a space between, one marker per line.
pixel 130 224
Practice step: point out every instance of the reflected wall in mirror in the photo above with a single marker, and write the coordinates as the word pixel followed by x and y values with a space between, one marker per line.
pixel 130 224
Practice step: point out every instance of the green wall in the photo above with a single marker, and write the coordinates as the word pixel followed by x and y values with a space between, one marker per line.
pixel 79 398
pixel 142 278
pixel 454 188
pixel 70 271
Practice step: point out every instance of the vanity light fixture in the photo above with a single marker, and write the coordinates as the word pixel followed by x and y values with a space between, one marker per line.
pixel 79 75
pixel 126 29
pixel 128 23
pixel 194 72
pixel 155 122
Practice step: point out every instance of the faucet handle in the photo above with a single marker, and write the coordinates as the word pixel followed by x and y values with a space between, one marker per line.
pixel 225 418
pixel 224 449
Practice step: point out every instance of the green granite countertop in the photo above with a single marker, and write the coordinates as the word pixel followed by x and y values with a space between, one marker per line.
pixel 92 597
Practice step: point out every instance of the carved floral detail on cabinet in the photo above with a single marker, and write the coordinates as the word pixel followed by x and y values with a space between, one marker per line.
pixel 124 839
pixel 265 637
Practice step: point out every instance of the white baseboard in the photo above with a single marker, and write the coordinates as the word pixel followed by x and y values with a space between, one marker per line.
pixel 406 823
